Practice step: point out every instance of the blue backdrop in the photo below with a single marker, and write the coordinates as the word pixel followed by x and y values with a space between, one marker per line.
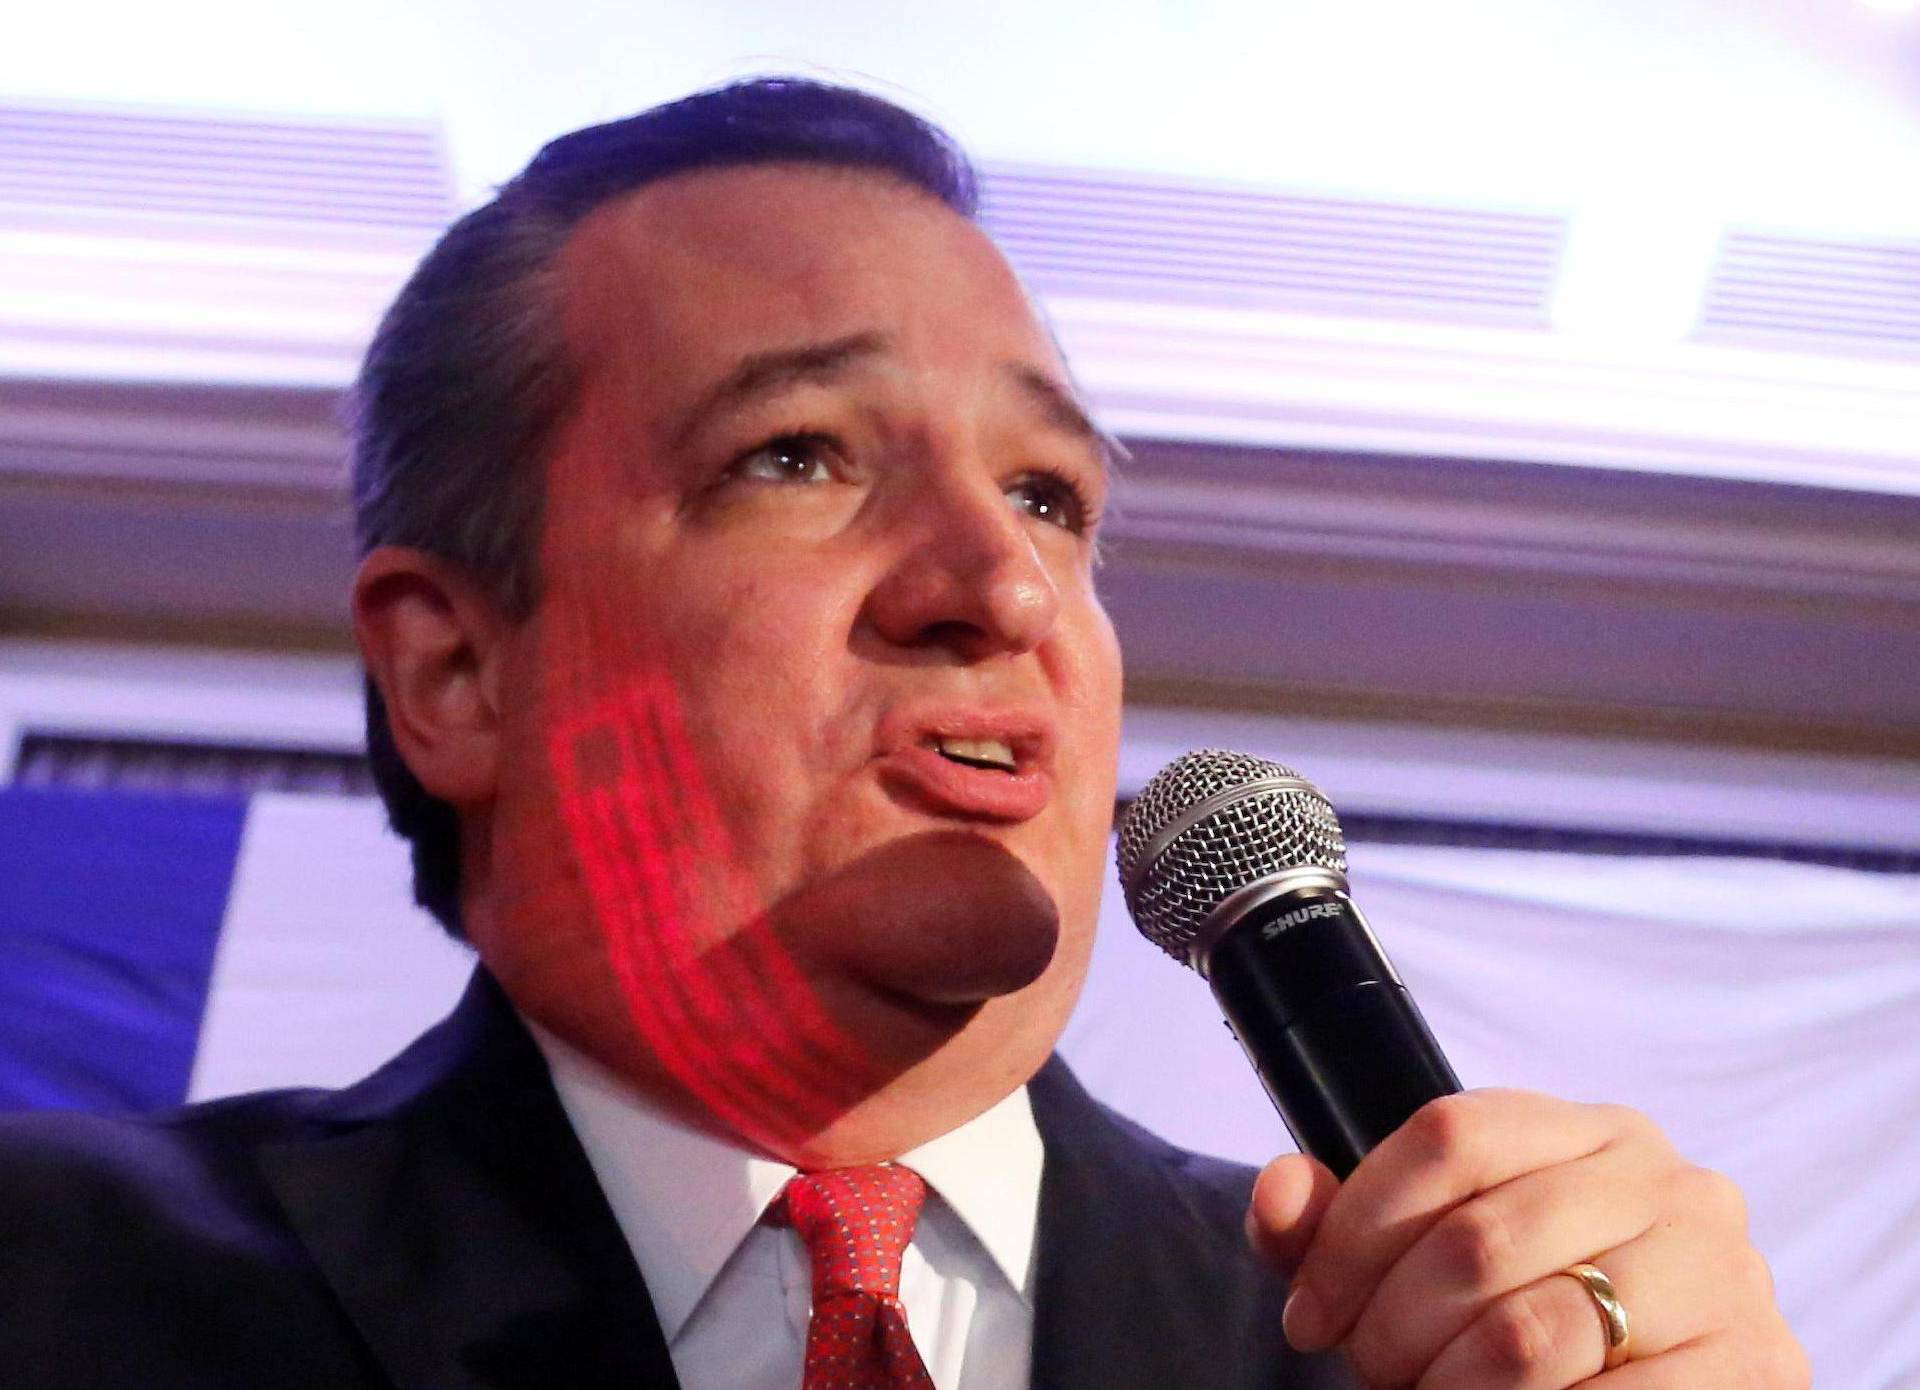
pixel 110 908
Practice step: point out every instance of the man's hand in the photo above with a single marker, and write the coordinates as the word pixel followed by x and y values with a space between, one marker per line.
pixel 1437 1264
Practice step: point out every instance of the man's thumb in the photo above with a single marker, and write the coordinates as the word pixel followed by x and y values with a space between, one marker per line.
pixel 1289 1198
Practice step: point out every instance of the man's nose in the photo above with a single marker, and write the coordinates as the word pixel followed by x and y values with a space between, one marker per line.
pixel 968 577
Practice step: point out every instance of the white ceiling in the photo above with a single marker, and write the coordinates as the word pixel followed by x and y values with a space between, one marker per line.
pixel 1802 112
pixel 1640 132
pixel 1729 555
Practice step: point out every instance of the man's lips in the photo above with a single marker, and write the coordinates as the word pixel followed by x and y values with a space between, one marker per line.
pixel 922 776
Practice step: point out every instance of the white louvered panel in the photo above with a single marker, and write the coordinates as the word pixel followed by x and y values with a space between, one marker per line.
pixel 1180 242
pixel 1821 296
pixel 178 246
pixel 378 176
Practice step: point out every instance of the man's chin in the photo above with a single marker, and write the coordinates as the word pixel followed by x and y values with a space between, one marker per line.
pixel 968 1057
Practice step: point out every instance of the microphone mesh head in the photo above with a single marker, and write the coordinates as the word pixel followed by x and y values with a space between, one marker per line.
pixel 1242 839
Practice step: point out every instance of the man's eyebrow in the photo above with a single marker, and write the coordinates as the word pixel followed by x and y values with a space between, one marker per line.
pixel 1064 412
pixel 762 372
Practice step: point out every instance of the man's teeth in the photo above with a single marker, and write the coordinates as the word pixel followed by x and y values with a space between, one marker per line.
pixel 977 752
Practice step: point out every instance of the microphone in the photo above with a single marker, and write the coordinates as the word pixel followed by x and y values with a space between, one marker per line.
pixel 1236 866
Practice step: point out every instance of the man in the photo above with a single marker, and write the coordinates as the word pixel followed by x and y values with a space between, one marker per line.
pixel 739 677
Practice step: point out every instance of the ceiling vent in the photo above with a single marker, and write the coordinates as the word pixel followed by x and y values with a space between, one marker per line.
pixel 1799 294
pixel 389 176
pixel 1120 237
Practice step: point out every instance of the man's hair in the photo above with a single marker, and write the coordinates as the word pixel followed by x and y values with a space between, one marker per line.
pixel 468 374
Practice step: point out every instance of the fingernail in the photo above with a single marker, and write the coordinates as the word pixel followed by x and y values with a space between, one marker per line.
pixel 1300 1319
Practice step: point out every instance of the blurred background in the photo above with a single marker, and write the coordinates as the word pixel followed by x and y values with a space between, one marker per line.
pixel 1525 406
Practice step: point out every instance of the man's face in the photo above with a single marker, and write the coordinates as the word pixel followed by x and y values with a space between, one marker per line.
pixel 820 612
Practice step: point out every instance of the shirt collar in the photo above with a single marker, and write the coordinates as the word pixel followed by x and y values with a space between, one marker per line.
pixel 685 1199
pixel 988 1172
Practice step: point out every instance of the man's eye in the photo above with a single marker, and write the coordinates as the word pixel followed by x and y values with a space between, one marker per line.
pixel 791 458
pixel 1052 499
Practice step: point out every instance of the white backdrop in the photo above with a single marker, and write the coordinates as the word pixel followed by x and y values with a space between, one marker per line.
pixel 1766 1014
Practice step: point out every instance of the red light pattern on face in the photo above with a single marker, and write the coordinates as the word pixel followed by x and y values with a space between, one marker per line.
pixel 711 990
pixel 727 1012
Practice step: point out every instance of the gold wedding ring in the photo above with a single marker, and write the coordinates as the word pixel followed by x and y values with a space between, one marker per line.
pixel 1613 1314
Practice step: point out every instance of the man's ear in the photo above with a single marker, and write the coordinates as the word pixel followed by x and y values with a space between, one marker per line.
pixel 433 642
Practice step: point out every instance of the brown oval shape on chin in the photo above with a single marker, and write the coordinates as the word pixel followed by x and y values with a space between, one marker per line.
pixel 944 917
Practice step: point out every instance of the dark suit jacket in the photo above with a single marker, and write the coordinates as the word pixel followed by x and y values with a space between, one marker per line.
pixel 437 1225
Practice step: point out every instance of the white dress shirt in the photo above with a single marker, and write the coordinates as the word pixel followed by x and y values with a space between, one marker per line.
pixel 733 1294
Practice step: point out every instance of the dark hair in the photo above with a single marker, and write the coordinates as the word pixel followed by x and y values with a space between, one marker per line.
pixel 468 375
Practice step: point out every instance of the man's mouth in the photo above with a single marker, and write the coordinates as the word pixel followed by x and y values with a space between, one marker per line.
pixel 990 754
pixel 969 765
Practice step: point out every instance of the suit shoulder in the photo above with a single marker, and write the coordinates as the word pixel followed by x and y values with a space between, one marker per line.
pixel 117 1233
pixel 75 1185
pixel 49 1152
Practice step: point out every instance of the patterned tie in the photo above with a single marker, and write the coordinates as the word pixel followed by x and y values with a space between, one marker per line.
pixel 856 1223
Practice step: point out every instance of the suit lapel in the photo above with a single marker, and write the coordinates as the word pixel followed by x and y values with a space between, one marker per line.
pixel 1143 1279
pixel 448 1204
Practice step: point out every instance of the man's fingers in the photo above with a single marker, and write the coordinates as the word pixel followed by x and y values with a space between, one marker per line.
pixel 1290 1196
pixel 1497 1243
pixel 1767 1358
pixel 1549 1333
pixel 1450 1150
pixel 1771 1360
pixel 1545 1336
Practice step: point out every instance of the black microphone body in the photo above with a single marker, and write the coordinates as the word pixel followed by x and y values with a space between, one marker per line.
pixel 1236 866
pixel 1334 1035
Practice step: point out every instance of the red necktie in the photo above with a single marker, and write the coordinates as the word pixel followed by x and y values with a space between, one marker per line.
pixel 856 1223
